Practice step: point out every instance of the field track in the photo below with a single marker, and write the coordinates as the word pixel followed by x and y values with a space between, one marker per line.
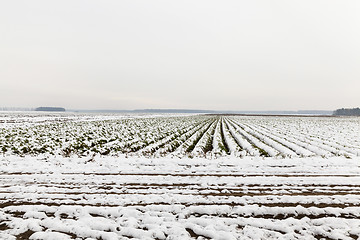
pixel 111 198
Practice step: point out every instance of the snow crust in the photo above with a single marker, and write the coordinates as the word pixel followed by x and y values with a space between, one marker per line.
pixel 169 198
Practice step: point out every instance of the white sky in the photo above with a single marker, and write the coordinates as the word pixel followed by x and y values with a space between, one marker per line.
pixel 219 55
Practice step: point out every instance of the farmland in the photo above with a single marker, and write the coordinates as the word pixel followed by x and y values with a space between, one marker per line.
pixel 78 176
pixel 191 136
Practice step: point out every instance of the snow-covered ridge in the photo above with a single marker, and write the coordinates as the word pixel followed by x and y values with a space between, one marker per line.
pixel 142 198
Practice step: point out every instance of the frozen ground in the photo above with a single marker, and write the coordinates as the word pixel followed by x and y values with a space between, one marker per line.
pixel 78 176
pixel 225 198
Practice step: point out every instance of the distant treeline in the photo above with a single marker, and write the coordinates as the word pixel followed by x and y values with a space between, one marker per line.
pixel 50 109
pixel 347 112
pixel 15 109
pixel 300 112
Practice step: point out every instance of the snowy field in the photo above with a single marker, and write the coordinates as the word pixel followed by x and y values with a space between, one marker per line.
pixel 82 176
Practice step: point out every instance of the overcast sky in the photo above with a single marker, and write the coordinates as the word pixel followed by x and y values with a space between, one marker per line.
pixel 216 55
